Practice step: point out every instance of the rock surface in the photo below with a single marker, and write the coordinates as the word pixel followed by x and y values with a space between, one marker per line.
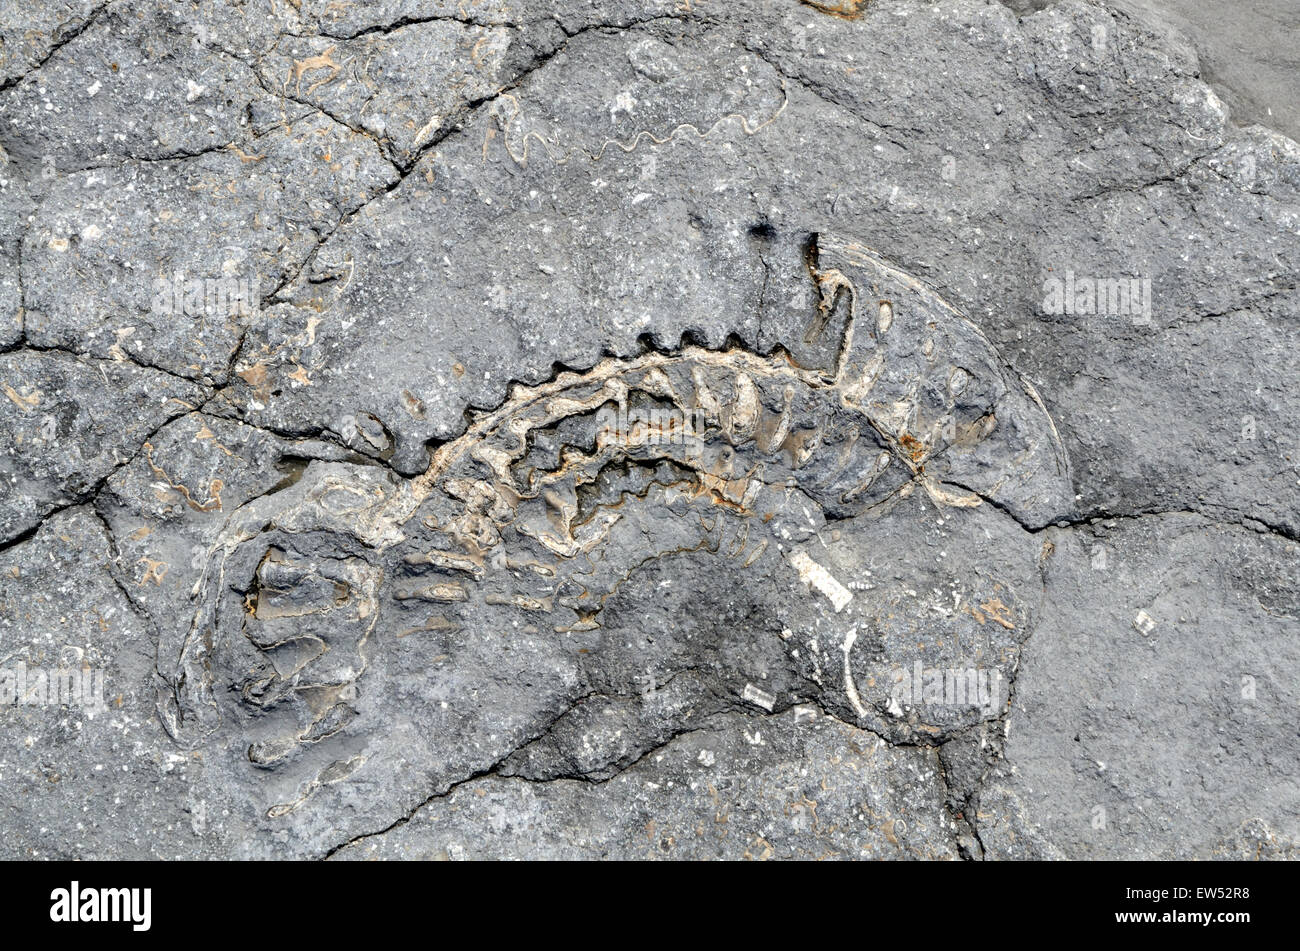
pixel 647 429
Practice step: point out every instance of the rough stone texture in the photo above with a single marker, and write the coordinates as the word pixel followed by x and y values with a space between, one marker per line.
pixel 1256 77
pixel 1215 675
pixel 510 429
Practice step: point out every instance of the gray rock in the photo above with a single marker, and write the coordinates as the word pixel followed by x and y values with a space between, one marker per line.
pixel 1153 710
pixel 651 429
pixel 93 776
pixel 32 32
pixel 68 422
pixel 799 785
pixel 1255 75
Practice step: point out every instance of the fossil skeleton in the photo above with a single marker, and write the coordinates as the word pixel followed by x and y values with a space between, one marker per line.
pixel 524 515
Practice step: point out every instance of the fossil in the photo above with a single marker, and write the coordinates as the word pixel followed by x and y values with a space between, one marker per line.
pixel 525 522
